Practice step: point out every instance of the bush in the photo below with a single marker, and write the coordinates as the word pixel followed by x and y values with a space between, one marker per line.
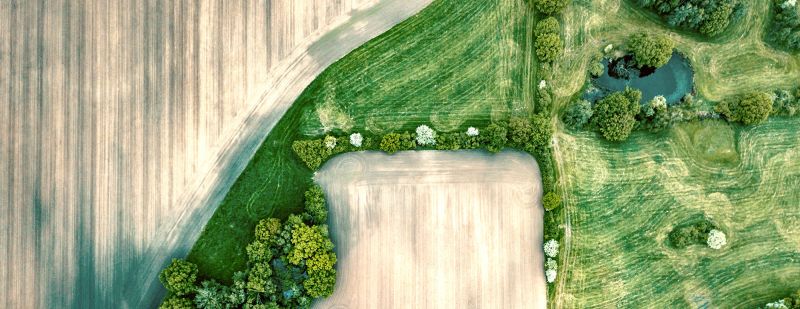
pixel 692 233
pixel 550 275
pixel 551 201
pixel 311 152
pixel 179 277
pixel 315 205
pixel 749 109
pixel 496 137
pixel 551 248
pixel 356 139
pixel 548 25
pixel 177 302
pixel 596 69
pixel 390 143
pixel 549 47
pixel 709 17
pixel 550 7
pixel 651 50
pixel 425 136
pixel 716 239
pixel 615 114
pixel 578 114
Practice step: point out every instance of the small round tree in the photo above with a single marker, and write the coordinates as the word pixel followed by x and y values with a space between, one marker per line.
pixel 549 47
pixel 716 239
pixel 330 142
pixel 550 275
pixel 597 69
pixel 615 114
pixel 390 143
pixel 551 201
pixel 550 7
pixel 578 114
pixel 651 50
pixel 356 139
pixel 547 25
pixel 179 277
pixel 176 302
pixel 551 248
pixel 472 131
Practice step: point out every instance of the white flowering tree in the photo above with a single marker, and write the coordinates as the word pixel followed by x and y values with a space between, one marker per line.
pixel 356 139
pixel 551 264
pixel 426 136
pixel 789 4
pixel 550 275
pixel 473 131
pixel 608 48
pixel 330 142
pixel 542 84
pixel 716 239
pixel 781 304
pixel 551 248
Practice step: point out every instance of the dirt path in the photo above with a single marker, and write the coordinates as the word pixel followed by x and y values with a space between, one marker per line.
pixel 123 124
pixel 433 229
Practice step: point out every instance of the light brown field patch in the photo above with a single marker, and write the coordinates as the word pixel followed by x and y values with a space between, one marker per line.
pixel 433 229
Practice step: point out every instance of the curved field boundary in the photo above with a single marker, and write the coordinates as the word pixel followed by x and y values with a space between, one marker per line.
pixel 308 61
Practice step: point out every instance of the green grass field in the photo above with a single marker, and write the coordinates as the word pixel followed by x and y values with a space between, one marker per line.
pixel 453 65
pixel 624 199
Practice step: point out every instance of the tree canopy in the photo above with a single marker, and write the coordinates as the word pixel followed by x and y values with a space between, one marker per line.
pixel 751 108
pixel 651 50
pixel 549 47
pixel 179 277
pixel 550 7
pixel 615 114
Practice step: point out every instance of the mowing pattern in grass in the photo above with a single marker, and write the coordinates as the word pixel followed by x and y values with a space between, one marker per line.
pixel 731 63
pixel 453 65
pixel 624 199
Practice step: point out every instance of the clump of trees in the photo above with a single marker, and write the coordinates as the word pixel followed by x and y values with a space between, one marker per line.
pixel 551 201
pixel 784 29
pixel 550 7
pixel 709 17
pixel 749 109
pixel 692 233
pixel 788 302
pixel 578 114
pixel 651 50
pixel 548 41
pixel 615 115
pixel 289 265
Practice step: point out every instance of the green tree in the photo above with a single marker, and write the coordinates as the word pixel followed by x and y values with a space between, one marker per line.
pixel 177 302
pixel 390 143
pixel 615 115
pixel 549 47
pixel 718 20
pixel 596 69
pixel 651 50
pixel 578 114
pixel 258 278
pixel 179 277
pixel 311 152
pixel 551 201
pixel 307 241
pixel 749 109
pixel 320 283
pixel 267 229
pixel 315 205
pixel 550 7
pixel 548 25
pixel 258 251
pixel 496 137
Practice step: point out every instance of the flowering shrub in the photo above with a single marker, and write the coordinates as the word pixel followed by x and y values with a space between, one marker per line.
pixel 551 248
pixel 426 135
pixel 472 131
pixel 330 142
pixel 542 84
pixel 356 139
pixel 716 239
pixel 781 304
pixel 550 275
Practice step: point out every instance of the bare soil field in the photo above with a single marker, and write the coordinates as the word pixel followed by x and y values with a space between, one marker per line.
pixel 121 123
pixel 433 229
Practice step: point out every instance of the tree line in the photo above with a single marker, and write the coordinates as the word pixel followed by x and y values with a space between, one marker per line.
pixel 708 17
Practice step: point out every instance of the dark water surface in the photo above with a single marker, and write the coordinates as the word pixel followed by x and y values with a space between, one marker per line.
pixel 673 80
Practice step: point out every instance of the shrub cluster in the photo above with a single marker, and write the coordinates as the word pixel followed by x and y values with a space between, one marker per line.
pixel 749 109
pixel 784 29
pixel 709 17
pixel 615 115
pixel 548 41
pixel 692 233
pixel 550 7
pixel 788 302
pixel 289 265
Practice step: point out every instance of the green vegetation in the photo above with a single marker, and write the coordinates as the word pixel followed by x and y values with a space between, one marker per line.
pixel 179 277
pixel 578 114
pixel 691 233
pixel 624 199
pixel 615 114
pixel 749 109
pixel 548 41
pixel 551 201
pixel 784 28
pixel 709 17
pixel 651 50
pixel 482 70
pixel 550 7
pixel 289 265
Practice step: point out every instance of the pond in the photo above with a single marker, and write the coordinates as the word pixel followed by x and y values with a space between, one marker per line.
pixel 673 80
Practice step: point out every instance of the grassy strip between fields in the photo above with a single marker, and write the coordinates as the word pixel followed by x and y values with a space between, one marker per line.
pixel 453 65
